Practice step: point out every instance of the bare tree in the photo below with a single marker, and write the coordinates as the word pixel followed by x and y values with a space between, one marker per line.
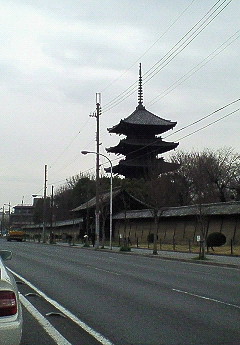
pixel 216 171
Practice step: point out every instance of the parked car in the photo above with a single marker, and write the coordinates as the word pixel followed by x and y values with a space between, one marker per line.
pixel 10 307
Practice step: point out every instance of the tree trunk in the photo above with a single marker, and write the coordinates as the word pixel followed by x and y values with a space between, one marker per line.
pixel 155 252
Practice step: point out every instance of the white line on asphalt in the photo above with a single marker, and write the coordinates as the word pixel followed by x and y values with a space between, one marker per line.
pixel 100 269
pixel 47 326
pixel 99 337
pixel 207 298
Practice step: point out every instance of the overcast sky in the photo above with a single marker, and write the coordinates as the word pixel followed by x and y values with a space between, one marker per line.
pixel 56 55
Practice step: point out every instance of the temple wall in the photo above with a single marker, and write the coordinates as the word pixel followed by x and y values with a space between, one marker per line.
pixel 182 229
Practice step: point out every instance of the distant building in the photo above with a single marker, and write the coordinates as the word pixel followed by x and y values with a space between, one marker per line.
pixel 142 144
pixel 22 215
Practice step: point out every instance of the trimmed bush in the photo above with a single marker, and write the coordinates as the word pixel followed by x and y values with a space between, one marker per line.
pixel 125 249
pixel 216 239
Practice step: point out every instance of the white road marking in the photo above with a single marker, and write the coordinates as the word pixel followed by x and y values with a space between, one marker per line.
pixel 100 338
pixel 207 298
pixel 100 269
pixel 47 326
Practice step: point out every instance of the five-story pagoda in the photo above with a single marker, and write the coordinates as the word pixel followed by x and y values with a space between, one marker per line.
pixel 142 144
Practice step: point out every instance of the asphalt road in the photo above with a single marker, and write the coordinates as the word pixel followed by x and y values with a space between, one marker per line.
pixel 113 299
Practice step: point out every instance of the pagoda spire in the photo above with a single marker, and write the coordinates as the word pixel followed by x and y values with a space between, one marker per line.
pixel 140 90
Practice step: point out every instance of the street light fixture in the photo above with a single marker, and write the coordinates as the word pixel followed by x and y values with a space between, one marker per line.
pixel 111 178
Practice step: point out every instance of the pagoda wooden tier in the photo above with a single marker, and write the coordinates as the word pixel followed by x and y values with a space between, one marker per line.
pixel 136 168
pixel 142 144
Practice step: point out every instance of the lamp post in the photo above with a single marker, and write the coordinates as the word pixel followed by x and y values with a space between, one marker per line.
pixel 110 207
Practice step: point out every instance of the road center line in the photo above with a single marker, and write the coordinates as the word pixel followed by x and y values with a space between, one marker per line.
pixel 47 326
pixel 207 298
pixel 100 269
pixel 99 337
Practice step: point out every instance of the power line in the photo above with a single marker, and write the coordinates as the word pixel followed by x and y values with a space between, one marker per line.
pixel 129 89
pixel 169 56
pixel 210 124
pixel 195 68
pixel 72 140
pixel 185 37
pixel 203 118
pixel 151 46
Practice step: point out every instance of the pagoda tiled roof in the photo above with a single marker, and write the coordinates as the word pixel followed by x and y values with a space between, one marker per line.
pixel 132 167
pixel 143 117
pixel 126 145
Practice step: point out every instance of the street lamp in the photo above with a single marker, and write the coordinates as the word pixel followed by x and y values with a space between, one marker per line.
pixel 110 211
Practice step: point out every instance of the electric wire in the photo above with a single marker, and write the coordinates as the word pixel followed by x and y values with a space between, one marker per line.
pixel 67 147
pixel 195 69
pixel 152 73
pixel 210 124
pixel 202 118
pixel 167 60
pixel 150 47
pixel 174 50
pixel 149 72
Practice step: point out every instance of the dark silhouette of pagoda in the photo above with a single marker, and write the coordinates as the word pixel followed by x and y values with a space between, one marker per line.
pixel 142 146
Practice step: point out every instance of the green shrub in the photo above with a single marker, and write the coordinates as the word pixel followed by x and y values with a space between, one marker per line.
pixel 125 249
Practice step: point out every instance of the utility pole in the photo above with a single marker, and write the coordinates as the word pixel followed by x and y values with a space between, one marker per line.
pixel 97 221
pixel 44 205
pixel 2 221
pixel 51 219
pixel 9 213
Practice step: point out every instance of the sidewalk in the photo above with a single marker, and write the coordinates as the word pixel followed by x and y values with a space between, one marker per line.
pixel 225 260
pixel 211 259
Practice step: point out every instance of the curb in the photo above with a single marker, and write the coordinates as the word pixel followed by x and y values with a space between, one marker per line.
pixel 159 256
